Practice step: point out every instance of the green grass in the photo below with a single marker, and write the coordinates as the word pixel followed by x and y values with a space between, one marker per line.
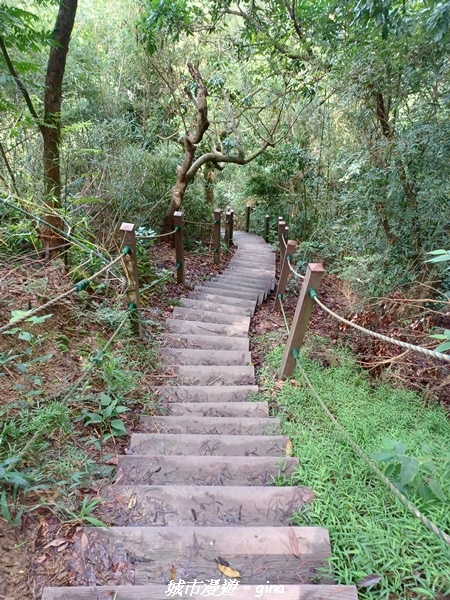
pixel 370 531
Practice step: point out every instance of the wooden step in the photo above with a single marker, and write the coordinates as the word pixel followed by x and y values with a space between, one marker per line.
pixel 184 444
pixel 201 328
pixel 192 356
pixel 218 409
pixel 214 375
pixel 242 282
pixel 201 506
pixel 214 287
pixel 204 470
pixel 160 592
pixel 192 314
pixel 216 307
pixel 217 297
pixel 243 277
pixel 205 342
pixel 212 425
pixel 205 393
pixel 276 554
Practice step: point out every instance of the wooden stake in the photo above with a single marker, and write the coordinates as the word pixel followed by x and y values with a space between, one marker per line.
pixel 179 250
pixel 285 272
pixel 131 273
pixel 281 226
pixel 284 241
pixel 227 228
pixel 247 218
pixel 216 235
pixel 266 228
pixel 231 227
pixel 313 277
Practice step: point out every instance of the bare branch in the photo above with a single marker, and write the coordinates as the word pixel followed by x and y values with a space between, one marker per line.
pixel 218 157
pixel 20 85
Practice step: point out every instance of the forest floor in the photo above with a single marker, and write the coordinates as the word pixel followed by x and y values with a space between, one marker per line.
pixel 38 532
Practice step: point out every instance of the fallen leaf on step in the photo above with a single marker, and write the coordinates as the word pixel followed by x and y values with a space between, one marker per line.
pixel 84 543
pixel 63 547
pixel 41 559
pixel 293 543
pixel 122 501
pixel 132 501
pixel 224 567
pixel 289 448
pixel 369 580
pixel 58 542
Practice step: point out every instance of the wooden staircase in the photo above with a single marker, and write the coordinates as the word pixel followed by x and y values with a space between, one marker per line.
pixel 195 495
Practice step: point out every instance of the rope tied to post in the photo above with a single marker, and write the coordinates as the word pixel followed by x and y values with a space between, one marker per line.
pixel 439 355
pixel 78 287
pixel 291 268
pixel 154 237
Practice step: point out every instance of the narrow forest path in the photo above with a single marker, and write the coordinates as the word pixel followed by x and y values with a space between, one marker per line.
pixel 195 498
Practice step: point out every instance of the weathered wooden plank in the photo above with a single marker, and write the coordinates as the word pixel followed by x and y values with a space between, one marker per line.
pixel 204 342
pixel 192 356
pixel 242 592
pixel 211 425
pixel 205 393
pixel 201 506
pixel 214 375
pixel 218 409
pixel 204 470
pixel 216 306
pixel 260 554
pixel 192 314
pixel 201 328
pixel 184 444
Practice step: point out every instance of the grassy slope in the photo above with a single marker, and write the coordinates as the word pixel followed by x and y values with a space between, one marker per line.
pixel 371 532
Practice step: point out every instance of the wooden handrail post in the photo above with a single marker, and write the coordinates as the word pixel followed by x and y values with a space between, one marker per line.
pixel 285 271
pixel 130 267
pixel 281 226
pixel 266 228
pixel 179 250
pixel 313 277
pixel 216 235
pixel 284 241
pixel 247 217
pixel 231 227
pixel 227 228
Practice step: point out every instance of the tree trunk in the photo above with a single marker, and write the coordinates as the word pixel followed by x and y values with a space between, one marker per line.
pixel 51 129
pixel 209 184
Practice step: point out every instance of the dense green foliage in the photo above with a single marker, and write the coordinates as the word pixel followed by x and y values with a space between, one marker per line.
pixel 359 95
pixel 370 531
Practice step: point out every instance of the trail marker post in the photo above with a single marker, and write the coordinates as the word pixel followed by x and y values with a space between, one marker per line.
pixel 179 250
pixel 216 237
pixel 285 271
pixel 130 267
pixel 313 278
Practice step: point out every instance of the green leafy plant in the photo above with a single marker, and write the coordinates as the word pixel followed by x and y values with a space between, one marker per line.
pixel 405 471
pixel 106 418
pixel 29 361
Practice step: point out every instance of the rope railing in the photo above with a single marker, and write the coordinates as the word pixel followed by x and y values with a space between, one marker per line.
pixel 154 237
pixel 291 268
pixel 380 336
pixel 60 232
pixel 391 487
pixel 78 287
pixel 209 224
pixel 163 278
pixel 360 452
